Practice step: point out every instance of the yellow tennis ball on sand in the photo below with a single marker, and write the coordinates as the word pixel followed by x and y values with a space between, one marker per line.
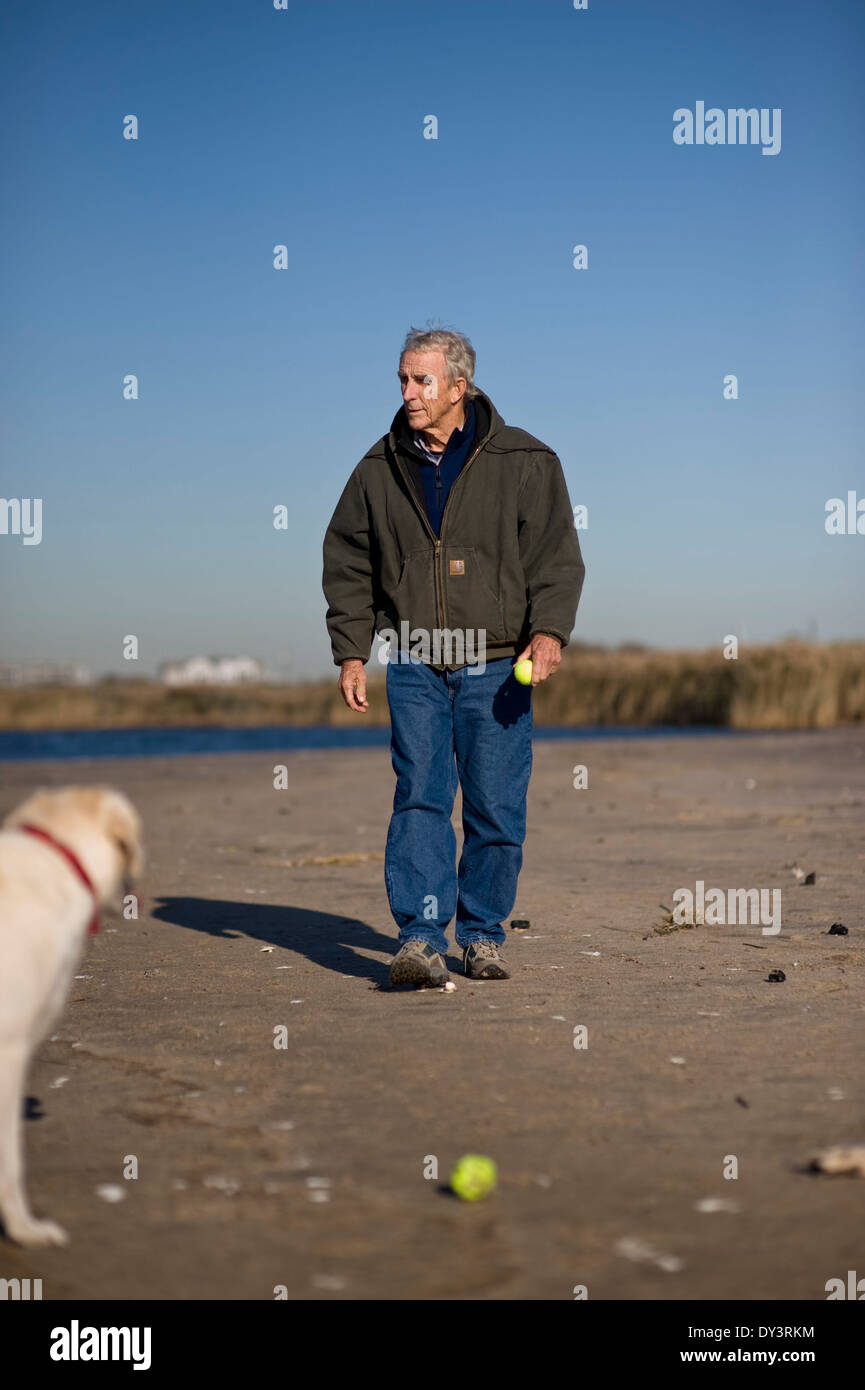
pixel 474 1177
pixel 523 672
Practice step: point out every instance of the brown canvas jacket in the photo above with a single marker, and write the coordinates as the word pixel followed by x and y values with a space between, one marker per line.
pixel 507 562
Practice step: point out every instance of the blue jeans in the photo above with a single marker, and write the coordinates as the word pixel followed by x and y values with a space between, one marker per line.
pixel 447 724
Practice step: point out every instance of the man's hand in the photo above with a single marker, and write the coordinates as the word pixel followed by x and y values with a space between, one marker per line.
pixel 544 653
pixel 352 685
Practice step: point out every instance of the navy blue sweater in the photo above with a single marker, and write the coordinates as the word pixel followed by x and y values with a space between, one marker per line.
pixel 439 478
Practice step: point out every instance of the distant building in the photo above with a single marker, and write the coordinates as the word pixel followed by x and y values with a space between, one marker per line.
pixel 211 670
pixel 43 673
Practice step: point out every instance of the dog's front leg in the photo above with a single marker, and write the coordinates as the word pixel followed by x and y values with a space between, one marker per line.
pixel 19 1222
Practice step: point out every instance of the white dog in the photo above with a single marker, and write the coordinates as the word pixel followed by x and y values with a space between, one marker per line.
pixel 83 851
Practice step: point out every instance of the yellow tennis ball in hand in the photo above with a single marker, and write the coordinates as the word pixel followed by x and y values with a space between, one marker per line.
pixel 474 1177
pixel 523 672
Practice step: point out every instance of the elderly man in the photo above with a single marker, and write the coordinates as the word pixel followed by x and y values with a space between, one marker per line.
pixel 455 537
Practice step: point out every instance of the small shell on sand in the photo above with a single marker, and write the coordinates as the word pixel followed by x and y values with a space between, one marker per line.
pixel 839 1160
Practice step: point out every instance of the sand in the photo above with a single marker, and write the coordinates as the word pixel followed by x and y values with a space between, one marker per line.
pixel 304 1166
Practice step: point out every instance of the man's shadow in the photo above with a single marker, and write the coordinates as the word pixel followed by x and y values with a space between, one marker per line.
pixel 326 938
pixel 511 701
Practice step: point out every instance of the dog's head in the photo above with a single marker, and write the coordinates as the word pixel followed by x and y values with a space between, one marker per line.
pixel 122 825
pixel 101 827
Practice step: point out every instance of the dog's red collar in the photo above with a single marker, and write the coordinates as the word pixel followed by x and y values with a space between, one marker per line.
pixel 76 864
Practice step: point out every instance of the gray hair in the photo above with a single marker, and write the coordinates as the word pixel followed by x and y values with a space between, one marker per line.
pixel 458 352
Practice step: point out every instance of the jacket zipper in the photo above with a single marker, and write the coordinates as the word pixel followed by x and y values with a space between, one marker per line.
pixel 440 542
pixel 438 577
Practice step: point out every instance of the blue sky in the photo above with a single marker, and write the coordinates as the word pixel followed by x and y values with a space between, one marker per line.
pixel 260 387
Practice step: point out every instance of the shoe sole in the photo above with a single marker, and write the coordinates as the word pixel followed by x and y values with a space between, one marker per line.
pixel 415 972
pixel 489 972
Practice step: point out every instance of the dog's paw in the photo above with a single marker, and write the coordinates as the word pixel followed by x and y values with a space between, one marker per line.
pixel 39 1233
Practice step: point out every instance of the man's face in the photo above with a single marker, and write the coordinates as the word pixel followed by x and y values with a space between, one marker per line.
pixel 425 390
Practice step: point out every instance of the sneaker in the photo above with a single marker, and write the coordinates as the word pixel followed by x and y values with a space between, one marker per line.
pixel 484 961
pixel 420 964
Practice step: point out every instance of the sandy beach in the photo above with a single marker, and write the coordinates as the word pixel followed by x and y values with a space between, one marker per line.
pixel 303 1166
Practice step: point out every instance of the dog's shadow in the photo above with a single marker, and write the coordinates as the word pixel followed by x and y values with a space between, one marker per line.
pixel 326 938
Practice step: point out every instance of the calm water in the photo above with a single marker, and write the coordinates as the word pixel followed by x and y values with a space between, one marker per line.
pixel 167 743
